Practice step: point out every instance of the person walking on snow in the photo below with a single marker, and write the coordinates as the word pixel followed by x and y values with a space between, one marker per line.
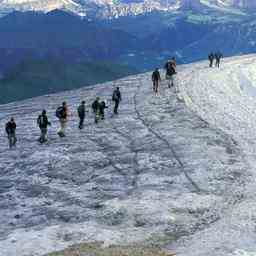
pixel 116 97
pixel 156 78
pixel 43 123
pixel 10 128
pixel 211 59
pixel 170 68
pixel 62 115
pixel 218 56
pixel 81 114
pixel 96 109
pixel 102 109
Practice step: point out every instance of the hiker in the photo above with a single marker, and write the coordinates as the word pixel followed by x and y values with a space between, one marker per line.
pixel 211 59
pixel 116 97
pixel 10 129
pixel 218 56
pixel 81 114
pixel 102 109
pixel 170 68
pixel 156 78
pixel 96 109
pixel 43 123
pixel 62 115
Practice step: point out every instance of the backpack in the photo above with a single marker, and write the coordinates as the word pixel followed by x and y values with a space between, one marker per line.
pixel 59 112
pixel 8 128
pixel 170 69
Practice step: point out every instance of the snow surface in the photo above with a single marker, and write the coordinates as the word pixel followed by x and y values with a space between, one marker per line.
pixel 160 172
pixel 226 99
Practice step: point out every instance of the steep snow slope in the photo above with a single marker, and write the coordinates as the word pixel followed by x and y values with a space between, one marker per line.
pixel 154 174
pixel 226 99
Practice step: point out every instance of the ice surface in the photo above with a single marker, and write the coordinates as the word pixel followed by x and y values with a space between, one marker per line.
pixel 226 99
pixel 157 171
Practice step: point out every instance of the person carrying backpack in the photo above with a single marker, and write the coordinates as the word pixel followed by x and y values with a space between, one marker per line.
pixel 156 78
pixel 102 109
pixel 10 128
pixel 170 68
pixel 62 115
pixel 96 109
pixel 116 97
pixel 43 123
pixel 81 114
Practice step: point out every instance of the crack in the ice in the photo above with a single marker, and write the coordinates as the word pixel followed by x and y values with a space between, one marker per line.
pixel 166 142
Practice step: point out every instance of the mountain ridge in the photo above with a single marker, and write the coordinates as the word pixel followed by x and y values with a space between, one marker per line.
pixel 113 9
pixel 143 42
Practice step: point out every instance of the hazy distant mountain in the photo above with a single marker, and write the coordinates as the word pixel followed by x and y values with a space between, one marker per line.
pixel 60 35
pixel 37 77
pixel 117 8
pixel 143 41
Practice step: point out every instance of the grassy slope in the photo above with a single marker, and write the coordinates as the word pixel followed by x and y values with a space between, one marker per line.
pixel 98 250
pixel 34 78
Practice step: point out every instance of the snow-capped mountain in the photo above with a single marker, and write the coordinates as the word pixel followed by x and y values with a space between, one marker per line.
pixel 117 8
pixel 42 5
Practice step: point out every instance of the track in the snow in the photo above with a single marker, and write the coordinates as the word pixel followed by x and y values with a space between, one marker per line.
pixel 166 142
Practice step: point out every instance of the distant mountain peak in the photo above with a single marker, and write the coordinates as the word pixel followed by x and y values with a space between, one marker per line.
pixel 42 5
pixel 117 8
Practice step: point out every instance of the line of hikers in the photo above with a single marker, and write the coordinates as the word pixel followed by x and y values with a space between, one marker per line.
pixel 97 106
pixel 170 68
pixel 215 56
pixel 62 113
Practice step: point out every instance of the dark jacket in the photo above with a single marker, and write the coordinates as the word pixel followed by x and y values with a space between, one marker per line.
pixel 156 76
pixel 218 56
pixel 42 121
pixel 116 95
pixel 65 112
pixel 62 112
pixel 211 57
pixel 95 106
pixel 81 110
pixel 102 107
pixel 10 127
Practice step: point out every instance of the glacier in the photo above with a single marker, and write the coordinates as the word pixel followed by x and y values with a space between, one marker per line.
pixel 174 169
